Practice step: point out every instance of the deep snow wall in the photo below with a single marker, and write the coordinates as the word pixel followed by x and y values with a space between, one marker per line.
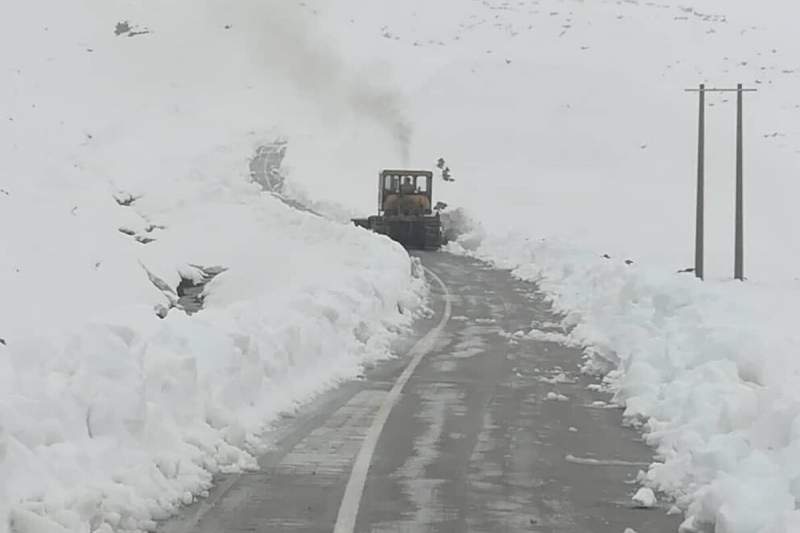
pixel 115 422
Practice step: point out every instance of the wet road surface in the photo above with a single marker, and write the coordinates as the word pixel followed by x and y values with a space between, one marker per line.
pixel 495 430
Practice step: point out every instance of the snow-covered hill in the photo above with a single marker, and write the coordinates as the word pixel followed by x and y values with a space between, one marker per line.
pixel 126 131
pixel 569 117
pixel 126 128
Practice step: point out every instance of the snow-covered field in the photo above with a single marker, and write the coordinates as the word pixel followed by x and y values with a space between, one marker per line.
pixel 563 120
pixel 569 118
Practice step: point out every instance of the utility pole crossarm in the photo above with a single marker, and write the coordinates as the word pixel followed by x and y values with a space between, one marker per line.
pixel 713 90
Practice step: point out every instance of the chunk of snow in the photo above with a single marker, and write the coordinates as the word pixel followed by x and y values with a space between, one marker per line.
pixel 556 396
pixel 561 377
pixel 644 497
pixel 551 336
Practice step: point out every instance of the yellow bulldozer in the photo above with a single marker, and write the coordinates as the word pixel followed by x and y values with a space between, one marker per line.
pixel 404 209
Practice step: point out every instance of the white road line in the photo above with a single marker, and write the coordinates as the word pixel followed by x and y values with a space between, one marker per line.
pixel 348 510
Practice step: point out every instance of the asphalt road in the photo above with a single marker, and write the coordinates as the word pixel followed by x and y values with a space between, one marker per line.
pixel 487 433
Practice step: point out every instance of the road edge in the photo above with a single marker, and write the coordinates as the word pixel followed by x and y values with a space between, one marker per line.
pixel 351 501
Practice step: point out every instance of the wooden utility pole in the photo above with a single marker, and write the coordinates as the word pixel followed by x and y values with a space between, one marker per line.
pixel 701 187
pixel 738 262
pixel 738 267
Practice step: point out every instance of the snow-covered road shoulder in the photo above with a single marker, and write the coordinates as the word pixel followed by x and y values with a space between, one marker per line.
pixel 709 370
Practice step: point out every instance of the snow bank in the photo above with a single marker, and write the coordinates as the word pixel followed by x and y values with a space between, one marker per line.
pixel 710 371
pixel 125 135
pixel 126 417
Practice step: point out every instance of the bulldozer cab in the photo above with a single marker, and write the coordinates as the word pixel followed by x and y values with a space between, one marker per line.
pixel 394 184
pixel 404 210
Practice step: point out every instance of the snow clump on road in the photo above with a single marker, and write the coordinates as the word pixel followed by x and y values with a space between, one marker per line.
pixel 645 497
